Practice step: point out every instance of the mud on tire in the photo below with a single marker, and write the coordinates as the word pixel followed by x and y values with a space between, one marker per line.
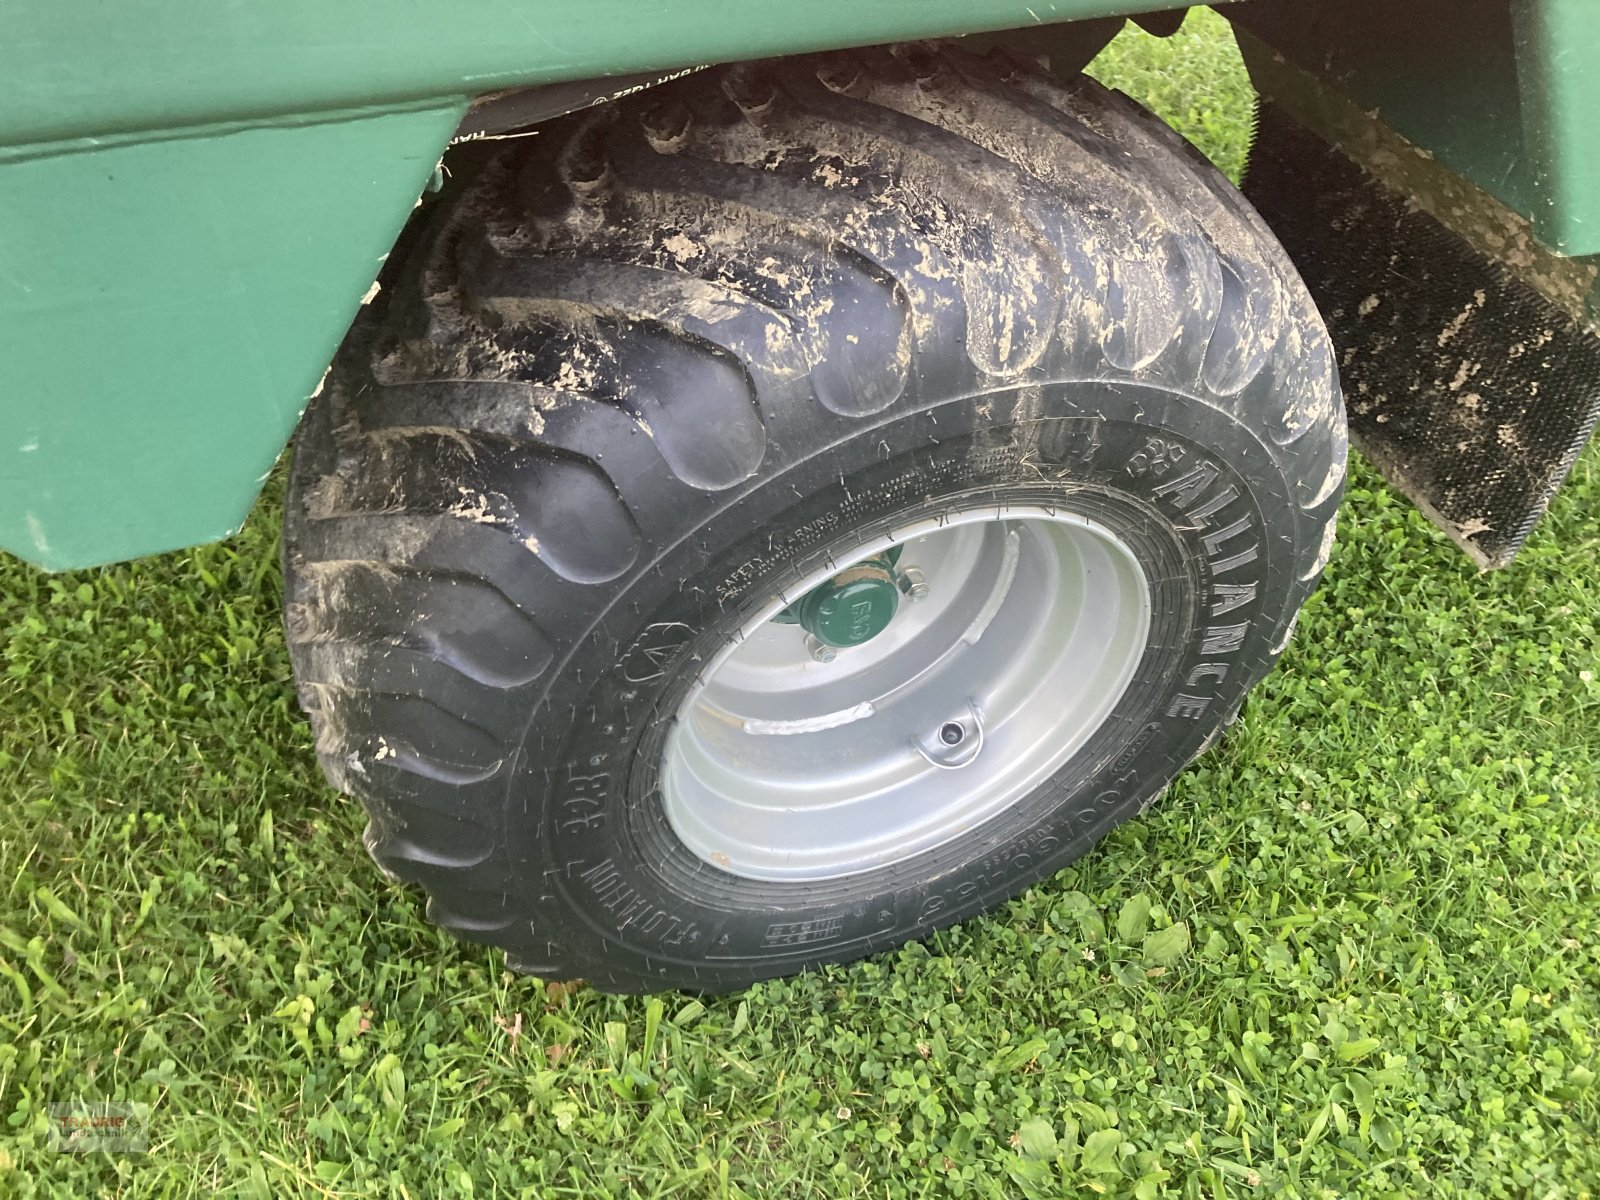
pixel 666 356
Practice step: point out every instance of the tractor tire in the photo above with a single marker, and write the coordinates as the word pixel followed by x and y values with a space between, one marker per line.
pixel 1009 355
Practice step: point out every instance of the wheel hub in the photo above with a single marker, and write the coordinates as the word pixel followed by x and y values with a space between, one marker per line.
pixel 852 607
pixel 799 758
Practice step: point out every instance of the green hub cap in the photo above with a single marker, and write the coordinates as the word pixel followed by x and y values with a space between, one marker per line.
pixel 853 607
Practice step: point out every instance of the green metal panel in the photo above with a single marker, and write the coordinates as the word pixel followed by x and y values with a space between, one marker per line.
pixel 1558 61
pixel 195 194
pixel 165 310
pixel 75 67
pixel 1504 92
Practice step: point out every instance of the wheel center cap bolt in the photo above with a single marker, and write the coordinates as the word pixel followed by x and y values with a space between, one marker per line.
pixel 820 651
pixel 913 585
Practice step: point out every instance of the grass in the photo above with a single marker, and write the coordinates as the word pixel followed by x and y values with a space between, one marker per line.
pixel 1386 980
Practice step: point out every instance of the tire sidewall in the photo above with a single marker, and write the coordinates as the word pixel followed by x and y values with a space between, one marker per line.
pixel 1196 496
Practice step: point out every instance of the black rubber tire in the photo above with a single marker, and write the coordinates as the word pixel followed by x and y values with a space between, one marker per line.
pixel 667 354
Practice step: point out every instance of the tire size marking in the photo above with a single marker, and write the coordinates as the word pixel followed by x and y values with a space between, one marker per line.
pixel 992 872
pixel 582 801
pixel 632 911
pixel 801 933
pixel 1140 740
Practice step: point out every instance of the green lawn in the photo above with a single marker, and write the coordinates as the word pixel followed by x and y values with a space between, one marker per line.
pixel 1390 983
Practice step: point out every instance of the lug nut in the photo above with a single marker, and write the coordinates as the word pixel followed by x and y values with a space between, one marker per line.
pixel 913 585
pixel 819 649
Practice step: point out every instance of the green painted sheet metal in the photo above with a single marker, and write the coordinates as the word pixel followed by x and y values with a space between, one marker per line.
pixel 195 194
pixel 165 310
pixel 75 67
pixel 1504 92
pixel 1558 61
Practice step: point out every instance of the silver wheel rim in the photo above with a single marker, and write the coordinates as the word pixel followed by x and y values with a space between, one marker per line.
pixel 780 767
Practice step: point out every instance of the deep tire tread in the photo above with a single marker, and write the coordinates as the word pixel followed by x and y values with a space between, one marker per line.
pixel 711 224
